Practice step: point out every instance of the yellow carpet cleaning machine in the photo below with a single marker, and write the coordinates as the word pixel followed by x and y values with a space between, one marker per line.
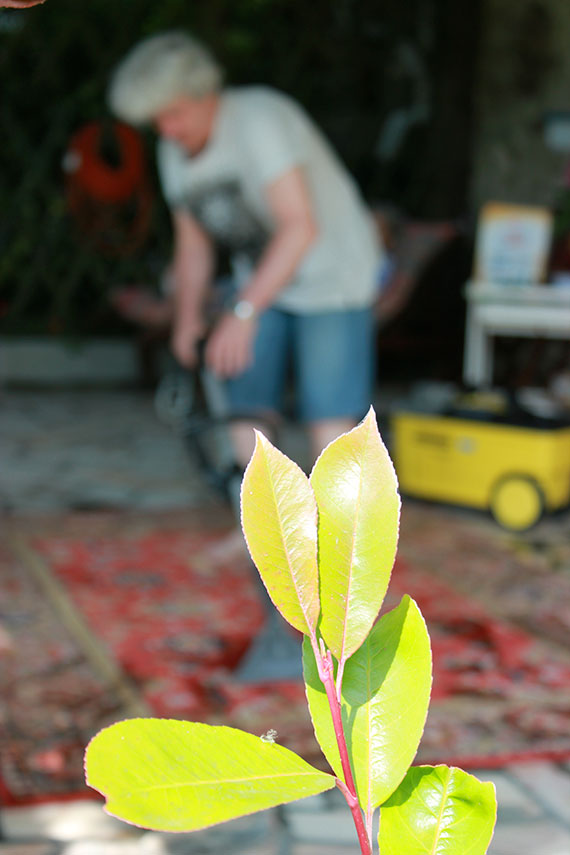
pixel 503 459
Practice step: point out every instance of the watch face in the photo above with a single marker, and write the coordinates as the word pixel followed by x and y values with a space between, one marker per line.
pixel 244 310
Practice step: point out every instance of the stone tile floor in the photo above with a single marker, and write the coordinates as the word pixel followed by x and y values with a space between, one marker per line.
pixel 91 450
pixel 65 451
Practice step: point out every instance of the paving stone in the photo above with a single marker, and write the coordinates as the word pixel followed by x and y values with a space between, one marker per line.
pixel 259 834
pixel 533 838
pixel 514 802
pixel 323 820
pixel 549 785
pixel 324 827
pixel 98 449
pixel 310 804
pixel 44 361
pixel 67 821
pixel 28 848
pixel 101 847
pixel 316 849
pixel 185 845
pixel 321 826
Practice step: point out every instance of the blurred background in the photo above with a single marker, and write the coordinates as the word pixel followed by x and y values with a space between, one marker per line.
pixel 434 108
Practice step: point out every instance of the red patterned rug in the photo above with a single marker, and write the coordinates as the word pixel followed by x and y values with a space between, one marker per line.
pixel 98 625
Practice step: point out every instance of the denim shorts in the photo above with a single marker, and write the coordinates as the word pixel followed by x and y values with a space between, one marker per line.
pixel 329 355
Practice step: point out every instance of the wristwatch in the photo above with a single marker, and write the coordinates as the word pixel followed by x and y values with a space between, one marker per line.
pixel 244 310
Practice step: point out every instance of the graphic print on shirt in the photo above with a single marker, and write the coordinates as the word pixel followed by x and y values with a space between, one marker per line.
pixel 222 210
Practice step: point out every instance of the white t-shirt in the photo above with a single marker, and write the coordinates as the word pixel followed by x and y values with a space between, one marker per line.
pixel 259 135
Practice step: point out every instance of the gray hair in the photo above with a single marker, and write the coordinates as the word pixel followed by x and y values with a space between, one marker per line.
pixel 158 70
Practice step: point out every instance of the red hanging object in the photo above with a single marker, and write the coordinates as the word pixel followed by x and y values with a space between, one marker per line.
pixel 107 186
pixel 20 4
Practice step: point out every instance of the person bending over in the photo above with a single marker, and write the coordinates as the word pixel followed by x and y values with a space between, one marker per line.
pixel 245 171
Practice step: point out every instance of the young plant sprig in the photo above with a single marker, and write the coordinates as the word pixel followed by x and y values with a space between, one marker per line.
pixel 324 547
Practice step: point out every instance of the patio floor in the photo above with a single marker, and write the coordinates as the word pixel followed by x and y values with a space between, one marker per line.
pixel 65 452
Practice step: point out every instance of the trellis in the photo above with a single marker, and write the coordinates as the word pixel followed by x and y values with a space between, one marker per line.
pixel 54 63
pixel 55 60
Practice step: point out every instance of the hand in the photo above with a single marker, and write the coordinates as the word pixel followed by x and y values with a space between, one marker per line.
pixel 230 347
pixel 183 343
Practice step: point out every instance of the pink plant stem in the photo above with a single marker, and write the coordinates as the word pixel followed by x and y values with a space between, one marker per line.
pixel 352 801
pixel 369 817
pixel 339 676
pixel 348 789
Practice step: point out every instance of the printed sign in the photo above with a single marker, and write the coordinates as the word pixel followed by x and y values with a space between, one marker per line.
pixel 513 244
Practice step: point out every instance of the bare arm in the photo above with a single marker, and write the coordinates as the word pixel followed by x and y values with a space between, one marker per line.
pixel 291 206
pixel 230 347
pixel 192 271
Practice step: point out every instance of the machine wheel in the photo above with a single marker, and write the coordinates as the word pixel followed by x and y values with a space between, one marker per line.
pixel 517 502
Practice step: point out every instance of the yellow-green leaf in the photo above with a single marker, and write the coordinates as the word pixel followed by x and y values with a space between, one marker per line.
pixel 438 810
pixel 181 776
pixel 385 698
pixel 358 504
pixel 279 520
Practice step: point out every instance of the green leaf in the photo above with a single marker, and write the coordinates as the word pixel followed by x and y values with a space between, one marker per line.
pixel 181 776
pixel 279 520
pixel 385 698
pixel 438 810
pixel 357 498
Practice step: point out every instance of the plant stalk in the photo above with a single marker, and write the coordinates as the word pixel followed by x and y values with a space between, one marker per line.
pixel 352 801
pixel 347 787
pixel 339 676
pixel 369 820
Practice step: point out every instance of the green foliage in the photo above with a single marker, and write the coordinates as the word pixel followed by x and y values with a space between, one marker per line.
pixel 193 775
pixel 279 519
pixel 384 703
pixel 324 548
pixel 438 811
pixel 356 491
pixel 52 279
